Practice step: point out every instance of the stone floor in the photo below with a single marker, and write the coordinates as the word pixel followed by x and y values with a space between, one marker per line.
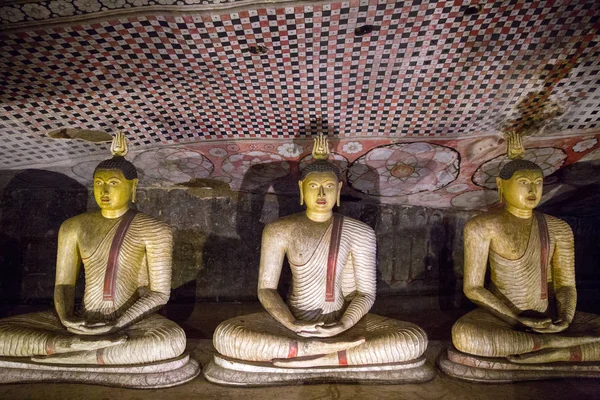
pixel 202 319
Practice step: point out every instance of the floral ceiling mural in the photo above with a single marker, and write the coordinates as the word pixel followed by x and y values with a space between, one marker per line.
pixel 400 169
pixel 230 91
pixel 432 174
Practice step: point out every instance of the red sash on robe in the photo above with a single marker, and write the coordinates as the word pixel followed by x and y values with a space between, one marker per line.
pixel 334 246
pixel 110 277
pixel 545 250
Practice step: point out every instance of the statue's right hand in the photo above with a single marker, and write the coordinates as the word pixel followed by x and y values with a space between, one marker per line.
pixel 78 326
pixel 73 323
pixel 535 323
pixel 306 329
pixel 94 329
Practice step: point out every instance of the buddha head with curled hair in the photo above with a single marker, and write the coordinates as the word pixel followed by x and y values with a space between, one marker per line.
pixel 115 179
pixel 320 182
pixel 520 181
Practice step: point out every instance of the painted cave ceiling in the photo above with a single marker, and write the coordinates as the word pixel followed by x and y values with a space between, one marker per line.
pixel 413 95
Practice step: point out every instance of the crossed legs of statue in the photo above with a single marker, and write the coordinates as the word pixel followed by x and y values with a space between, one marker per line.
pixel 373 340
pixel 482 334
pixel 42 337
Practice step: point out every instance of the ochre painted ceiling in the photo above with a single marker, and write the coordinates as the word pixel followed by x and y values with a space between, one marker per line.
pixel 232 91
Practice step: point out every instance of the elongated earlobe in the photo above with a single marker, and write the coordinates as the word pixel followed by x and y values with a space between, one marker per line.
pixel 339 193
pixel 301 193
pixel 499 185
pixel 134 191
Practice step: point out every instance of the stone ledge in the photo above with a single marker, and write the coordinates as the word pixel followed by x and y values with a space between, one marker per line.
pixel 152 376
pixel 230 372
pixel 498 370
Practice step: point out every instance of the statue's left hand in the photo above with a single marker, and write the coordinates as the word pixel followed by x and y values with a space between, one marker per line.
pixel 555 327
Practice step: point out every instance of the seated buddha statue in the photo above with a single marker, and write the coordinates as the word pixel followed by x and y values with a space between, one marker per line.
pixel 526 308
pixel 325 322
pixel 126 256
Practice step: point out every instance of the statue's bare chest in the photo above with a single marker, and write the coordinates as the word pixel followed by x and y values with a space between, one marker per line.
pixel 99 233
pixel 304 241
pixel 512 239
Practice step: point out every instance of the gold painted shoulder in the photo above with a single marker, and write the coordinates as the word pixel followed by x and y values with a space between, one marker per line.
pixel 79 220
pixel 484 222
pixel 284 224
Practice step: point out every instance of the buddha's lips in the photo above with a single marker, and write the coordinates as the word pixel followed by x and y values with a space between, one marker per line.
pixel 105 199
pixel 322 202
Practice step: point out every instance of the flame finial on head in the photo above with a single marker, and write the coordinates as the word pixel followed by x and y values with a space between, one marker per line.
pixel 118 148
pixel 514 145
pixel 320 156
pixel 515 151
pixel 119 145
pixel 321 147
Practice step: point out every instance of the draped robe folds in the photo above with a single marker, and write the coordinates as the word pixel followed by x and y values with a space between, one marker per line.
pixel 143 264
pixel 531 292
pixel 259 337
pixel 525 285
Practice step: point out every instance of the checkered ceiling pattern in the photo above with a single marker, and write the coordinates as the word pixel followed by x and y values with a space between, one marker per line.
pixel 427 70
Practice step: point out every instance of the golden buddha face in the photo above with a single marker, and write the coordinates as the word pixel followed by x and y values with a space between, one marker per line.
pixel 320 191
pixel 112 190
pixel 523 190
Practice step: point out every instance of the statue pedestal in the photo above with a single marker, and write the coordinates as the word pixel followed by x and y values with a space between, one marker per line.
pixel 161 374
pixel 497 370
pixel 230 372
